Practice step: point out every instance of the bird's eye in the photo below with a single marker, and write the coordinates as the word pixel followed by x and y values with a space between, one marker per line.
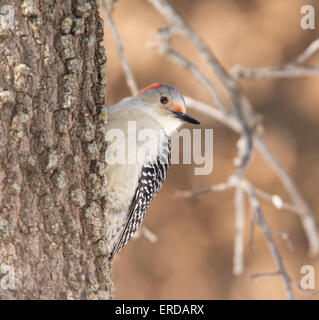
pixel 164 100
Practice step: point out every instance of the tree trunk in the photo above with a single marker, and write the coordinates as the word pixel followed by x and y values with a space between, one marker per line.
pixel 52 201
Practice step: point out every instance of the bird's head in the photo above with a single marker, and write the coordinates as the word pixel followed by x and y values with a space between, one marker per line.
pixel 167 102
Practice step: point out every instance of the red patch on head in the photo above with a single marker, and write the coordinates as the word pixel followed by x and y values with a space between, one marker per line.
pixel 152 86
pixel 178 108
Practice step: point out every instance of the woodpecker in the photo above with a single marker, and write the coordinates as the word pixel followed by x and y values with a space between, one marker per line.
pixel 132 183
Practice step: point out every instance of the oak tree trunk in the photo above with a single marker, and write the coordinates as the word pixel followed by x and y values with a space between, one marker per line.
pixel 52 234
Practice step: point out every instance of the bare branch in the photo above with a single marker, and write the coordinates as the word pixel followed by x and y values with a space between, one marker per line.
pixel 292 69
pixel 286 71
pixel 182 28
pixel 264 275
pixel 252 230
pixel 254 202
pixel 164 47
pixel 307 53
pixel 147 233
pixel 196 193
pixel 298 205
pixel 131 82
pixel 239 101
pixel 304 211
pixel 238 257
pixel 242 120
pixel 277 201
pixel 285 236
pixel 227 119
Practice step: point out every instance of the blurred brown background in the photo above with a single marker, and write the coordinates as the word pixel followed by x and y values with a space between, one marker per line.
pixel 192 258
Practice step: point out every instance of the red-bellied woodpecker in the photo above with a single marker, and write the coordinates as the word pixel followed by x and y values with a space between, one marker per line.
pixel 138 156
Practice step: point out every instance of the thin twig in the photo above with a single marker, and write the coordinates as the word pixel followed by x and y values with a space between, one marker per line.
pixel 254 202
pixel 239 101
pixel 240 120
pixel 227 119
pixel 264 275
pixel 305 213
pixel 131 82
pixel 252 230
pixel 307 53
pixel 277 201
pixel 145 232
pixel 164 37
pixel 291 69
pixel 148 234
pixel 196 193
pixel 182 28
pixel 238 257
pixel 287 71
pixel 299 204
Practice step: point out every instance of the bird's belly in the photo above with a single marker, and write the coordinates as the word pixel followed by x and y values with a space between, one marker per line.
pixel 120 187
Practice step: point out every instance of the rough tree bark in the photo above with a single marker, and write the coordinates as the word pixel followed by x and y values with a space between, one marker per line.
pixel 52 235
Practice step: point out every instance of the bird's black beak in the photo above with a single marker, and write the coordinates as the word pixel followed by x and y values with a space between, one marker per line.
pixel 185 117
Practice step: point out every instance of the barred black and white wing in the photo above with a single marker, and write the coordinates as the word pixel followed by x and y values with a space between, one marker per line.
pixel 152 176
